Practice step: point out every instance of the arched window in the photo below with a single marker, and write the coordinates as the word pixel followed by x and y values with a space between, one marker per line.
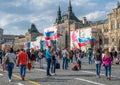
pixel 112 26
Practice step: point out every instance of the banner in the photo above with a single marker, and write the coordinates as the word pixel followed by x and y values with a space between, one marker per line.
pixel 51 33
pixel 82 39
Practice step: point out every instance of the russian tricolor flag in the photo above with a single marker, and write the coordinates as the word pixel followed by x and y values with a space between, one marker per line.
pixel 51 35
pixel 84 41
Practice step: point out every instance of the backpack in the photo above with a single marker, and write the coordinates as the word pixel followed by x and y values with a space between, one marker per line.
pixel 7 59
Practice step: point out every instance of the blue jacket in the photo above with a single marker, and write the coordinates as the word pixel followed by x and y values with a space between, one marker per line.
pixel 48 54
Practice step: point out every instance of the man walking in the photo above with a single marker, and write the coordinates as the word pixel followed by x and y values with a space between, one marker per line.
pixel 48 59
pixel 23 61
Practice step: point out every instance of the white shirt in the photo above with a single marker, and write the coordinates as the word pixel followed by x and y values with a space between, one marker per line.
pixel 64 53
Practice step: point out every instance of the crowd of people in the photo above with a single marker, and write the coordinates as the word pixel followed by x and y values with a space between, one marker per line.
pixel 22 57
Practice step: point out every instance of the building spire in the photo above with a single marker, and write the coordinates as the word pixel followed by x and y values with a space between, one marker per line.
pixel 70 6
pixel 118 4
pixel 58 19
pixel 69 10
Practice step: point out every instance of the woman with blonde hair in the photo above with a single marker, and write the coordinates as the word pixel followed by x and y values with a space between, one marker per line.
pixel 10 55
pixel 107 60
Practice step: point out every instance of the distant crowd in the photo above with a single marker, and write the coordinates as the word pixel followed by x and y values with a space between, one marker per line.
pixel 25 59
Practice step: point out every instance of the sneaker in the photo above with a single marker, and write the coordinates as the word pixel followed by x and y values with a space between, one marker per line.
pixel 10 80
pixel 98 76
pixel 53 74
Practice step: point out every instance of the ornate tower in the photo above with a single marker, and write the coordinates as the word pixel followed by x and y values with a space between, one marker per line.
pixel 70 10
pixel 32 33
pixel 33 29
pixel 118 4
pixel 58 19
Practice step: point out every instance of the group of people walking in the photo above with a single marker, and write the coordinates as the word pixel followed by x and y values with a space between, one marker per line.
pixel 22 58
pixel 11 59
pixel 105 60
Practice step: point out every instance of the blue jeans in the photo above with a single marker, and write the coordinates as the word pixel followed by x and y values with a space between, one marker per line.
pixel 107 70
pixel 65 63
pixel 10 67
pixel 48 65
pixel 90 59
pixel 98 68
pixel 22 70
pixel 53 66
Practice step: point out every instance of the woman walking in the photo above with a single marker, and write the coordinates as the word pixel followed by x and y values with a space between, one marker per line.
pixel 53 63
pixel 10 65
pixel 107 59
pixel 98 61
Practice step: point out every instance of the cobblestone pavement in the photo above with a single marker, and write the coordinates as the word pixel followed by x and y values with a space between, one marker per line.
pixel 86 76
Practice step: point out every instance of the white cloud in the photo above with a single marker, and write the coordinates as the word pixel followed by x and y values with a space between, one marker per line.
pixel 9 18
pixel 111 5
pixel 3 22
pixel 43 12
pixel 16 3
pixel 14 30
pixel 5 19
pixel 79 2
pixel 38 4
pixel 97 15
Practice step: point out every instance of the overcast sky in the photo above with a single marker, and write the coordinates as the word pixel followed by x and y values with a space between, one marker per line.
pixel 16 16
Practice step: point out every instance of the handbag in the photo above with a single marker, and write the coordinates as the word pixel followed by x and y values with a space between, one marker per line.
pixel 7 59
pixel 29 66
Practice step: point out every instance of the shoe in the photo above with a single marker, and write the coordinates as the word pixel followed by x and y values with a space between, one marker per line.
pixel 23 78
pixel 108 78
pixel 10 80
pixel 98 76
pixel 49 75
pixel 53 74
